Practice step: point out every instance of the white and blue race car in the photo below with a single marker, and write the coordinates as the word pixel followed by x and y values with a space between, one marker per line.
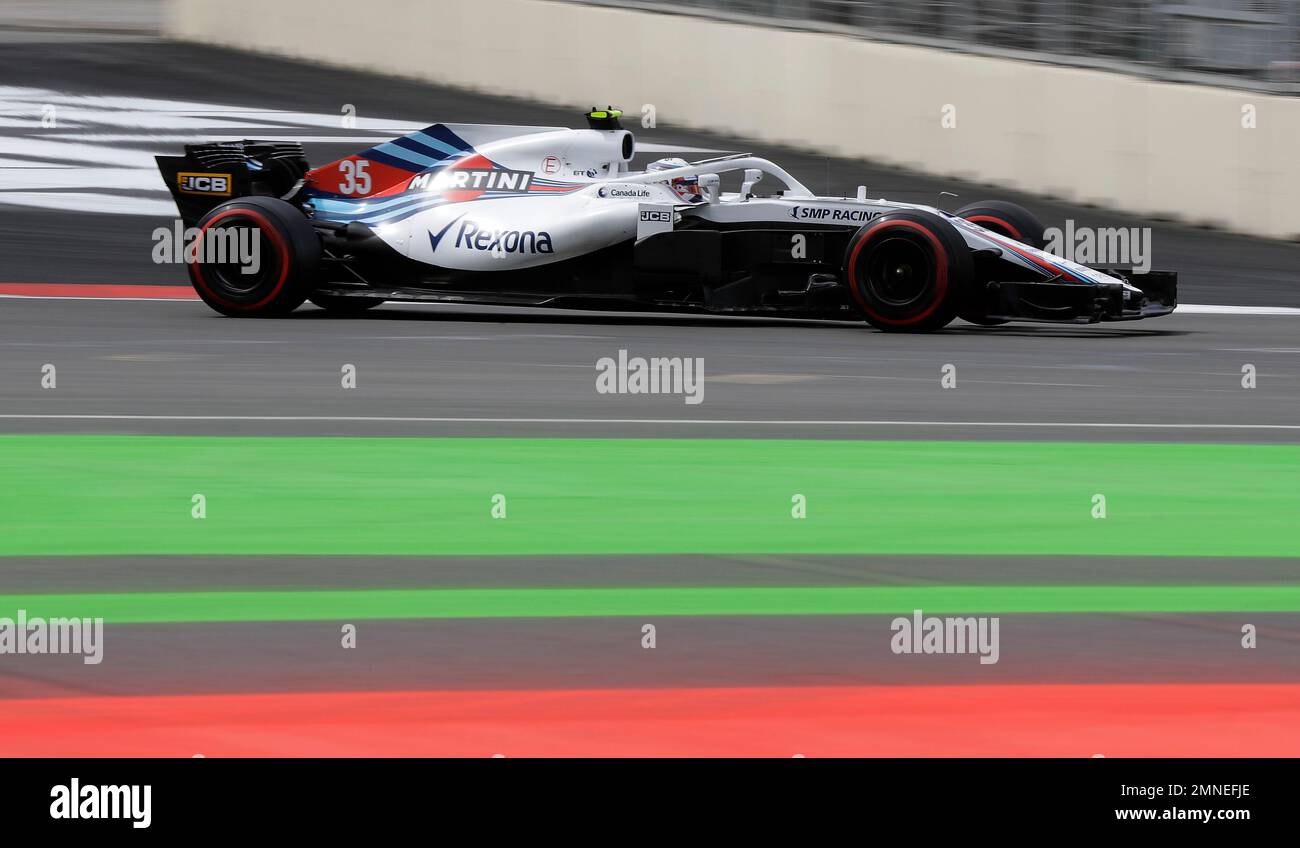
pixel 547 216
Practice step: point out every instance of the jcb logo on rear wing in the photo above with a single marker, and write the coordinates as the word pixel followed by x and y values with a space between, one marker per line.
pixel 192 183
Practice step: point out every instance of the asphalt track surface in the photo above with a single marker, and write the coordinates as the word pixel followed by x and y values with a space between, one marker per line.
pixel 160 368
pixel 506 372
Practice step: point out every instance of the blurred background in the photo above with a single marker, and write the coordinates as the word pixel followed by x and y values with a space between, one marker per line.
pixel 1180 112
pixel 1250 43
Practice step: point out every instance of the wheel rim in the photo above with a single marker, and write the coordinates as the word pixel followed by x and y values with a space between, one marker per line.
pixel 230 276
pixel 899 271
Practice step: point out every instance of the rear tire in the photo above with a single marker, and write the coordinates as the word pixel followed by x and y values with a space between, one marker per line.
pixel 908 271
pixel 288 257
pixel 1007 219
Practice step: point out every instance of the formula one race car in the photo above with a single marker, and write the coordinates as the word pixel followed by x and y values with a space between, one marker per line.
pixel 546 216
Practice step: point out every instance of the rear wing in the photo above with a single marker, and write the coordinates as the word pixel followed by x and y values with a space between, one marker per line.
pixel 210 174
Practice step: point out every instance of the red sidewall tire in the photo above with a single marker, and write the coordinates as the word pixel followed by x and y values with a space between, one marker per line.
pixel 1004 218
pixel 898 242
pixel 294 261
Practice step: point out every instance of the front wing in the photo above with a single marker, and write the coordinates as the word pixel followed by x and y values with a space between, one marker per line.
pixel 1079 303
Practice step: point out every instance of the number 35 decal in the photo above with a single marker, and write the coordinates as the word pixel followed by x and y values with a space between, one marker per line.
pixel 356 176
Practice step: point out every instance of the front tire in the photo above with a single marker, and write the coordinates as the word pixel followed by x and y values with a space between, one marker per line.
pixel 285 252
pixel 1006 219
pixel 908 271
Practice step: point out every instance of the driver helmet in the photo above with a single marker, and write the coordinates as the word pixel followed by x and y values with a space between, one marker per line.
pixel 688 187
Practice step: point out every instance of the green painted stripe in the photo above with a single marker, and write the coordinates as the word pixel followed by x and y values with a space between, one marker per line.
pixel 97 495
pixel 186 607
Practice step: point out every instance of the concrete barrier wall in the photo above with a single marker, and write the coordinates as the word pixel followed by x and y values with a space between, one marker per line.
pixel 1151 148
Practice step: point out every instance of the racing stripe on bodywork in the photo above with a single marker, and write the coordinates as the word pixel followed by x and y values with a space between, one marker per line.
pixel 389 163
pixel 402 206
pixel 393 165
pixel 1036 260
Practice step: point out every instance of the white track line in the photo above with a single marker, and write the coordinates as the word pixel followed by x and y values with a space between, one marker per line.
pixel 1210 309
pixel 380 419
